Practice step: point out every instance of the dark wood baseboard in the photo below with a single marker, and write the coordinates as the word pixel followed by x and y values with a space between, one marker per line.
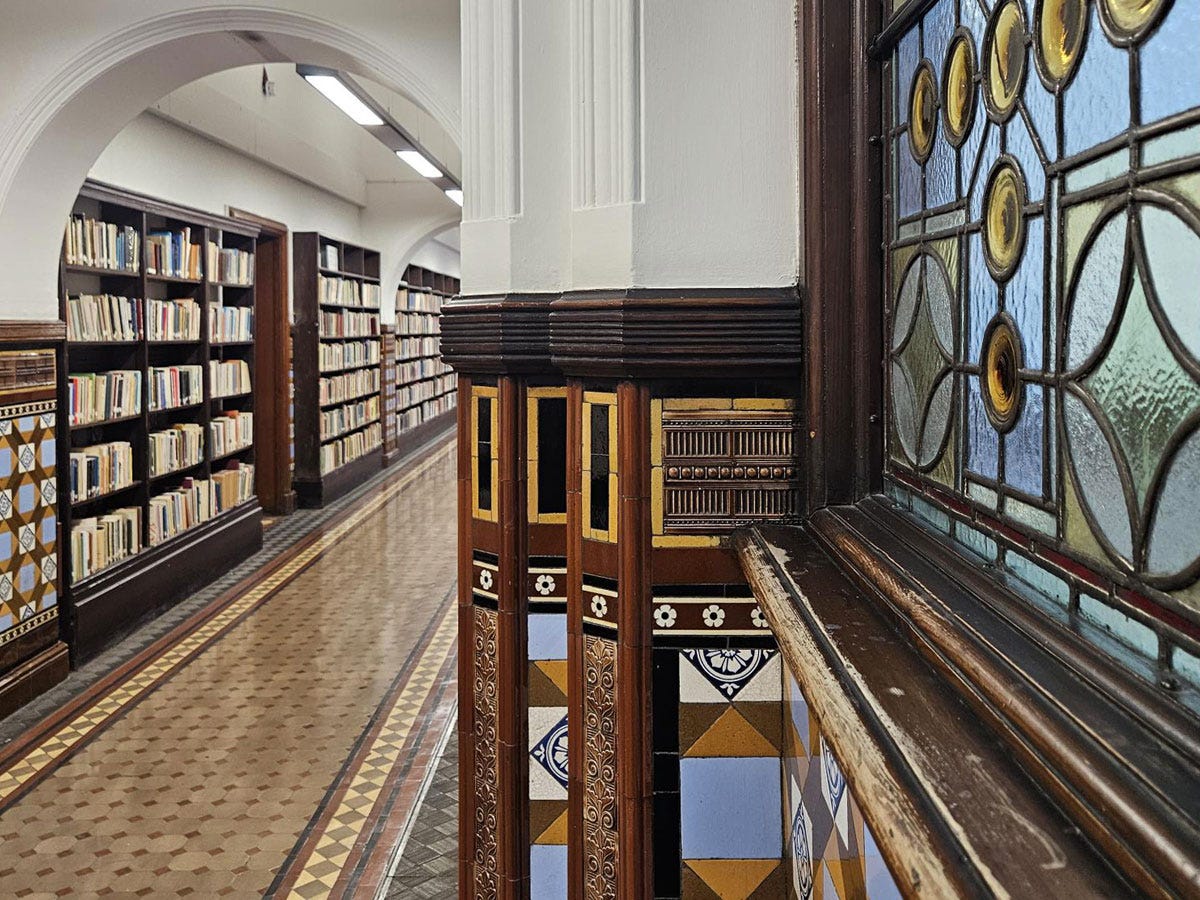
pixel 410 440
pixel 285 507
pixel 112 603
pixel 320 491
pixel 33 677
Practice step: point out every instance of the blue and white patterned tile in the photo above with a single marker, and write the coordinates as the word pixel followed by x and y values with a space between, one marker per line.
pixel 800 844
pixel 716 675
pixel 833 789
pixel 548 752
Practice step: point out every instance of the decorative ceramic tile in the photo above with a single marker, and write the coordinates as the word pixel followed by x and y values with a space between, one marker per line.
pixel 729 808
pixel 708 675
pixel 28 536
pixel 548 749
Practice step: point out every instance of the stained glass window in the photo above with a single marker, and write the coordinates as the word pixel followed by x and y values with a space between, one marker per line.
pixel 1043 308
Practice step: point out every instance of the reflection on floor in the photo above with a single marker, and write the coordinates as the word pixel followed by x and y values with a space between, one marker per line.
pixel 274 743
pixel 428 866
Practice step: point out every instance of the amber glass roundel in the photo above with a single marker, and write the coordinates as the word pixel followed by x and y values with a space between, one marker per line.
pixel 1001 367
pixel 1004 219
pixel 1129 20
pixel 922 107
pixel 958 88
pixel 1006 53
pixel 1061 25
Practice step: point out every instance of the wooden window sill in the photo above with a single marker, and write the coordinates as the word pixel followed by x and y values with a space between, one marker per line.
pixel 992 750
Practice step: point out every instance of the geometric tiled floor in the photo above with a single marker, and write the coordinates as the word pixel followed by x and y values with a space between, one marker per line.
pixel 428 868
pixel 262 750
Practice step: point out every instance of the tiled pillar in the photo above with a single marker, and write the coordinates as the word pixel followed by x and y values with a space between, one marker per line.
pixel 493 562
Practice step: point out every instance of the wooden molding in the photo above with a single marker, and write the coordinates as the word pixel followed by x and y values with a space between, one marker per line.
pixel 23 333
pixel 1098 745
pixel 34 676
pixel 632 333
pixel 910 748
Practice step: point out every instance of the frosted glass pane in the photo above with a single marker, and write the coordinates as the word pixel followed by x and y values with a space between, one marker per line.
pixel 941 304
pixel 989 153
pixel 1020 145
pixel 941 176
pixel 1040 104
pixel 1096 472
pixel 909 176
pixel 1173 255
pixel 1185 142
pixel 1096 293
pixel 1023 445
pixel 983 443
pixel 982 301
pixel 908 54
pixel 903 410
pixel 1174 535
pixel 1097 101
pixel 907 303
pixel 939 26
pixel 938 420
pixel 1024 296
pixel 1171 63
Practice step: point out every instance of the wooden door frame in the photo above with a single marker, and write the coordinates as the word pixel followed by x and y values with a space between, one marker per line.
pixel 272 358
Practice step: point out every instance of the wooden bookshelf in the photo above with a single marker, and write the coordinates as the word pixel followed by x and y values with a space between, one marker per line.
pixel 425 389
pixel 105 602
pixel 338 375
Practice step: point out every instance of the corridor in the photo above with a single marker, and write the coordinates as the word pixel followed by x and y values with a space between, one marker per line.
pixel 273 744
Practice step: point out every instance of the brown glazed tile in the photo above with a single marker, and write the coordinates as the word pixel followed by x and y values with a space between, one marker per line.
pixel 205 785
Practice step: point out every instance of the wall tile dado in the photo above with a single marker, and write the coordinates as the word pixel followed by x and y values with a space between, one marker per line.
pixel 831 851
pixel 28 519
pixel 718 464
pixel 548 765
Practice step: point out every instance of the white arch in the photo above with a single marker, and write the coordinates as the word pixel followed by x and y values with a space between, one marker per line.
pixel 54 134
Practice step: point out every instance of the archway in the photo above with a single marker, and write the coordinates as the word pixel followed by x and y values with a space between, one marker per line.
pixel 71 106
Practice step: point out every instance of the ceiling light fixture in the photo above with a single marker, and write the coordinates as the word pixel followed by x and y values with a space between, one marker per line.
pixel 343 98
pixel 419 163
pixel 455 194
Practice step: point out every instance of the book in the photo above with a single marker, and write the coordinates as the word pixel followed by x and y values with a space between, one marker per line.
pixel 103 317
pixel 174 386
pixel 99 396
pixel 229 377
pixel 173 254
pixel 102 245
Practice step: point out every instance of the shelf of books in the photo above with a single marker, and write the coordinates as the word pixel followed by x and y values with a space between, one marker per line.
pixel 337 367
pixel 425 389
pixel 157 473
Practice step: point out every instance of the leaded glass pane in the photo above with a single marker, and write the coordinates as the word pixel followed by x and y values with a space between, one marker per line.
pixel 1044 309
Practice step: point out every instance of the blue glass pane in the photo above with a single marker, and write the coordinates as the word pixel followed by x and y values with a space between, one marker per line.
pixel 1052 403
pixel 941 182
pixel 975 18
pixel 1171 64
pixel 1040 104
pixel 1021 146
pixel 1023 445
pixel 989 152
pixel 1024 294
pixel 1096 104
pixel 908 200
pixel 982 303
pixel 907 56
pixel 983 443
pixel 939 26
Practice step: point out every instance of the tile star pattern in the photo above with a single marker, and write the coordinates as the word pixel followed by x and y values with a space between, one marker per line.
pixel 28 518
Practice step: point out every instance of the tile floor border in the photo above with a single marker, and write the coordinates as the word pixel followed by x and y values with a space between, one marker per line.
pixel 48 744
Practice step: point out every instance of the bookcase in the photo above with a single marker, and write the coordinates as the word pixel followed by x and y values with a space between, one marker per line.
pixel 426 390
pixel 156 408
pixel 337 361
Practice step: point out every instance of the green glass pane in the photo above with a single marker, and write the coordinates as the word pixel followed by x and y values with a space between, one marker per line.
pixel 941 311
pixel 1142 389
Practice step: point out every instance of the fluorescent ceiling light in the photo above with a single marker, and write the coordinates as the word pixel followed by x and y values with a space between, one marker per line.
pixel 455 194
pixel 420 163
pixel 344 99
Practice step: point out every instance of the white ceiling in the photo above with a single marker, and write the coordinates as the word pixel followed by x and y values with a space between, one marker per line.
pixel 301 133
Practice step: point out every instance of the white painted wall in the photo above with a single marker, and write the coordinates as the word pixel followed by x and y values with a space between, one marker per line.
pixel 659 145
